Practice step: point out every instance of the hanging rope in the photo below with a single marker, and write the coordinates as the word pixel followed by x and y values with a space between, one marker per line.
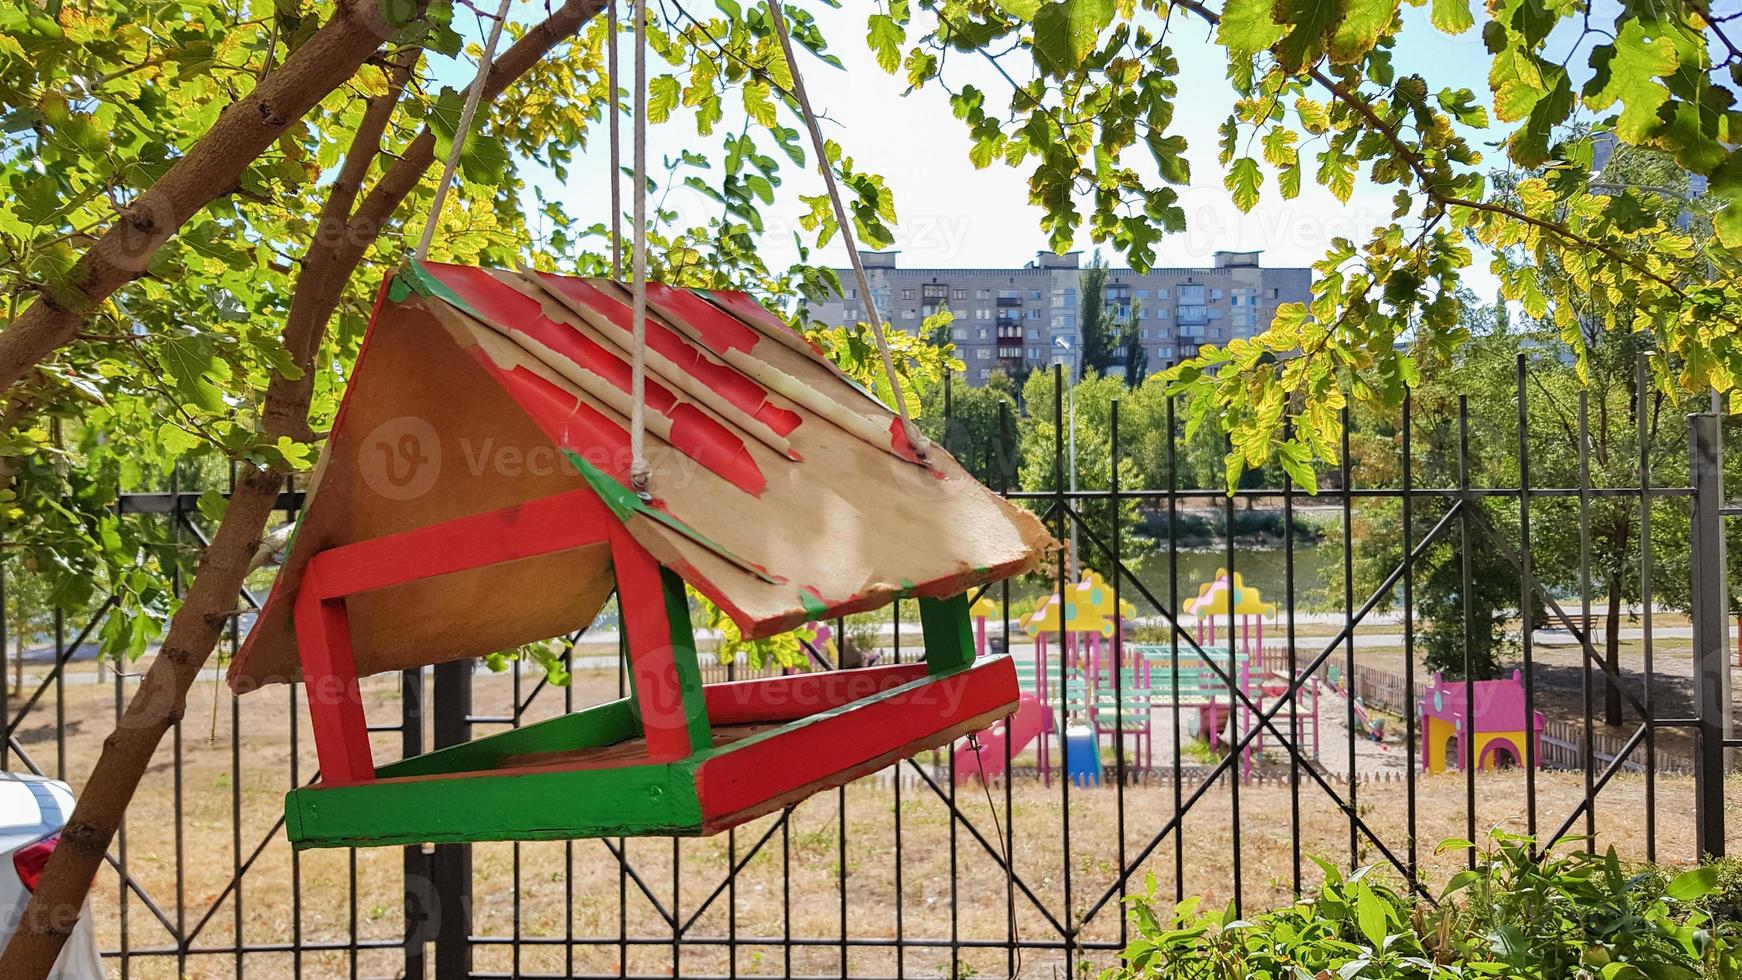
pixel 611 77
pixel 640 476
pixel 473 95
pixel 914 438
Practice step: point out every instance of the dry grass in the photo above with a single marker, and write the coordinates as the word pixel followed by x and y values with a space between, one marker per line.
pixel 548 892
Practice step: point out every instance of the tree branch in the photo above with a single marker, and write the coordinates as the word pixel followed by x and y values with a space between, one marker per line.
pixel 211 169
pixel 209 604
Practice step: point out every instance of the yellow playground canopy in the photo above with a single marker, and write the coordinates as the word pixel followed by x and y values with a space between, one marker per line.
pixel 1214 597
pixel 1088 608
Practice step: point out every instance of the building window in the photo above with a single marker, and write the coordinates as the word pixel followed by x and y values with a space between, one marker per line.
pixel 982 334
pixel 1270 293
pixel 1161 313
pixel 983 354
pixel 960 294
pixel 908 294
pixel 1161 294
pixel 1215 294
pixel 1034 294
pixel 982 314
pixel 1193 314
pixel 1034 314
pixel 982 294
pixel 1034 353
pixel 1143 294
pixel 958 333
pixel 1191 294
pixel 852 294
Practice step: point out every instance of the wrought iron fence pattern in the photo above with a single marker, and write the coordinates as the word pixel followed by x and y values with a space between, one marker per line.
pixel 918 871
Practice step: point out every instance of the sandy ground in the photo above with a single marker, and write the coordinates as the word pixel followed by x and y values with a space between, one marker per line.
pixel 905 867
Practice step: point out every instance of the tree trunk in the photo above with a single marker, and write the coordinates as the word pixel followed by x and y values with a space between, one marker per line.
pixel 211 169
pixel 1612 653
pixel 211 599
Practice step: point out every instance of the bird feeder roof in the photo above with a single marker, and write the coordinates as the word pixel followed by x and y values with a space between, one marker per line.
pixel 781 490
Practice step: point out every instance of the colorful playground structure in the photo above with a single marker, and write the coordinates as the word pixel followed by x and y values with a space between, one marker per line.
pixel 1120 693
pixel 1497 727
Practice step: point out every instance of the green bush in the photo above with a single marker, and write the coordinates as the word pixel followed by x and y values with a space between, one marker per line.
pixel 1514 916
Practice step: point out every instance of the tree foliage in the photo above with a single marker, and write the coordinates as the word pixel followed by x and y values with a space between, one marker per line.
pixel 1317 93
pixel 1095 328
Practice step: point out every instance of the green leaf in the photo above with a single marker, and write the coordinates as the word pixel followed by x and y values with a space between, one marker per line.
pixel 885 37
pixel 1690 885
pixel 663 93
pixel 190 363
pixel 176 440
pixel 1313 22
pixel 1248 27
pixel 1363 23
pixel 1517 84
pixel 1372 914
pixel 1065 33
pixel 1627 72
pixel 759 102
pixel 1452 16
pixel 1243 180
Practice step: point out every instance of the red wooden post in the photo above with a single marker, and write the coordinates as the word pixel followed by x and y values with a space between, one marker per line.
pixel 330 680
pixel 668 687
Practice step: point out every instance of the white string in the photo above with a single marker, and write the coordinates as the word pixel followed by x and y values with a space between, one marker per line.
pixel 462 129
pixel 611 77
pixel 918 441
pixel 640 477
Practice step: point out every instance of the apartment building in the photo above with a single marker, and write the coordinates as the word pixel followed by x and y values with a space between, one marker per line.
pixel 1025 318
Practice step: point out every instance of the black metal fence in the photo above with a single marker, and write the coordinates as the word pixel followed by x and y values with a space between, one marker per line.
pixel 925 871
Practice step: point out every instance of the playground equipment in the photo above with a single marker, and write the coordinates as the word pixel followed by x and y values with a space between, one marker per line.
pixel 1113 692
pixel 1090 633
pixel 1368 726
pixel 986 761
pixel 982 609
pixel 1088 625
pixel 1498 724
pixel 1220 600
pixel 401 561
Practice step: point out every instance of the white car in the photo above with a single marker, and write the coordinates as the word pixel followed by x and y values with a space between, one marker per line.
pixel 33 809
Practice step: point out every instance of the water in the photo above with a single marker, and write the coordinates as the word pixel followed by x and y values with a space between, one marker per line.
pixel 1260 568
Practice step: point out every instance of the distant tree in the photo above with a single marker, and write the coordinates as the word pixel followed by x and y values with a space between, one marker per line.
pixel 978 428
pixel 1136 358
pixel 1094 320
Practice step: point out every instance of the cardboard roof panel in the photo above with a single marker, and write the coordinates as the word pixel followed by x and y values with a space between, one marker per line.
pixel 781 490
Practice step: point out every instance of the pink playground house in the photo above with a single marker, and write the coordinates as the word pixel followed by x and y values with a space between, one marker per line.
pixel 1497 734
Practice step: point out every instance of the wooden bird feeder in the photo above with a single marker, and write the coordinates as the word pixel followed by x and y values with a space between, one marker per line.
pixel 472 497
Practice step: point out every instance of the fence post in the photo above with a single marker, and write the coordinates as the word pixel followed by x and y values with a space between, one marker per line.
pixel 451 864
pixel 1709 607
pixel 420 901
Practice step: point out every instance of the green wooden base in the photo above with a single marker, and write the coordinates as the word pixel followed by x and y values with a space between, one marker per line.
pixel 487 790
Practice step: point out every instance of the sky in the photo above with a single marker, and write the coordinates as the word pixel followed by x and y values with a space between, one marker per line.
pixel 954 215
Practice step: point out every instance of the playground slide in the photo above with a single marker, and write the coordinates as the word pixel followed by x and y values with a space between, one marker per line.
pixel 1026 724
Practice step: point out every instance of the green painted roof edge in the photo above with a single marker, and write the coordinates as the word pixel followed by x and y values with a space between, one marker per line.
pixel 625 503
pixel 415 277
